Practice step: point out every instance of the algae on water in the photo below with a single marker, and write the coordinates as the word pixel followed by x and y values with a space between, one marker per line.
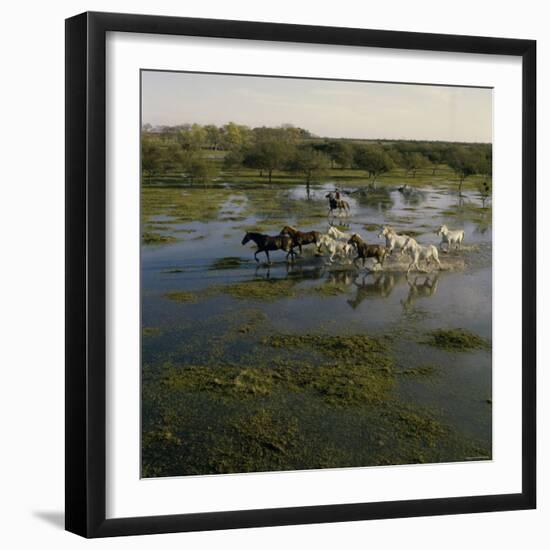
pixel 456 340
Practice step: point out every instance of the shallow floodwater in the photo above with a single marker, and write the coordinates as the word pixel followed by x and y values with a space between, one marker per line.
pixel 192 318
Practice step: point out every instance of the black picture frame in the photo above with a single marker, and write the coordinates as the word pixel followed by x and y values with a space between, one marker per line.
pixel 86 274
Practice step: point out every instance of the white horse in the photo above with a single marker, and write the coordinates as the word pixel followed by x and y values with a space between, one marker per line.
pixel 417 253
pixel 393 240
pixel 450 238
pixel 335 233
pixel 336 248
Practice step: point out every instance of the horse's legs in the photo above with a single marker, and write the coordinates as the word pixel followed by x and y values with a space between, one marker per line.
pixel 255 255
pixel 290 253
pixel 267 255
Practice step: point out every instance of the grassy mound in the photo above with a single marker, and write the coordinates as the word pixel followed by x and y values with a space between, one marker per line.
pixel 456 340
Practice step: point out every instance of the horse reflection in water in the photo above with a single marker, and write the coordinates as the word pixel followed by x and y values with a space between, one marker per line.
pixel 381 286
pixel 421 286
pixel 293 271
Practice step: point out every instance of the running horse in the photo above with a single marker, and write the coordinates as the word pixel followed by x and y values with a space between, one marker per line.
pixel 299 238
pixel 365 250
pixel 336 204
pixel 265 243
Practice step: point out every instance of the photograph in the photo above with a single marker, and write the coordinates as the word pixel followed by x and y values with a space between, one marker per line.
pixel 316 273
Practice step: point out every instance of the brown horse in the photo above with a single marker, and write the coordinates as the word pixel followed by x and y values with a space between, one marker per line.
pixel 265 243
pixel 300 238
pixel 365 250
pixel 336 204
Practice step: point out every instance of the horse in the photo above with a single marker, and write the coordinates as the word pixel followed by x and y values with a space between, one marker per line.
pixel 450 237
pixel 300 238
pixel 335 248
pixel 265 243
pixel 335 233
pixel 365 250
pixel 393 240
pixel 336 204
pixel 417 252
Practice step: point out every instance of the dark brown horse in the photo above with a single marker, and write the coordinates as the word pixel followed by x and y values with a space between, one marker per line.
pixel 300 238
pixel 265 243
pixel 365 250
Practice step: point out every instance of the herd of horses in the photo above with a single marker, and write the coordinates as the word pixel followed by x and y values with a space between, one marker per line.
pixel 350 247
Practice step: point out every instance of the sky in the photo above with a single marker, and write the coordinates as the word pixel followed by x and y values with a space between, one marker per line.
pixel 327 108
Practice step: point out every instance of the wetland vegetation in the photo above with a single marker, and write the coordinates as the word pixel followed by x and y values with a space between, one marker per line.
pixel 252 367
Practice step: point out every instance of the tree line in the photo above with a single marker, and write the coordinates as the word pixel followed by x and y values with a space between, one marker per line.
pixel 191 150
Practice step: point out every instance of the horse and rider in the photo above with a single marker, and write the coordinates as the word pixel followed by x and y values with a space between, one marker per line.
pixel 335 202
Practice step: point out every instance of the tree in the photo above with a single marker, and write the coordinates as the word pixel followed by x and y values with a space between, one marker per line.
pixel 213 136
pixel 235 136
pixel 341 153
pixel 464 163
pixel 151 155
pixel 233 159
pixel 309 162
pixel 414 161
pixel 483 160
pixel 201 171
pixel 373 159
pixel 435 156
pixel 268 155
pixel 192 136
pixel 395 155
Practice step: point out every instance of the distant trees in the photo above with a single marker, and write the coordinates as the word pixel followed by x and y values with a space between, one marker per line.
pixel 464 163
pixel 196 153
pixel 412 162
pixel 234 135
pixel 200 170
pixel 341 152
pixel 310 163
pixel 151 155
pixel 374 160
pixel 268 155
pixel 213 136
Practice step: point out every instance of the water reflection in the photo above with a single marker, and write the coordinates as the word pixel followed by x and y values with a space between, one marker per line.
pixel 420 286
pixel 292 271
pixel 378 285
pixel 379 199
pixel 369 285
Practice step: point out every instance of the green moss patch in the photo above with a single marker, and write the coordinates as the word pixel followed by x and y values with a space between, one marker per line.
pixel 330 289
pixel 151 331
pixel 352 348
pixel 157 238
pixel 224 380
pixel 456 340
pixel 371 226
pixel 420 371
pixel 229 262
pixel 183 296
pixel 261 289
